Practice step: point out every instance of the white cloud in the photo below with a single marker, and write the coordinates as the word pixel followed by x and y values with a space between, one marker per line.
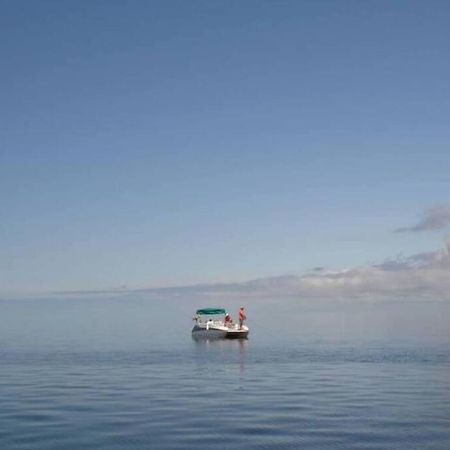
pixel 436 218
pixel 424 276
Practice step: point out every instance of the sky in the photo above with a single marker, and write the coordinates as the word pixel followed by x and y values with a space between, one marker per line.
pixel 296 145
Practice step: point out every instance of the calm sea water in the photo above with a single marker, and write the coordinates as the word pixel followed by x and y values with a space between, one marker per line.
pixel 125 374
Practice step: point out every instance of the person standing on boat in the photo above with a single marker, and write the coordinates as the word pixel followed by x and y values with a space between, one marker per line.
pixel 242 317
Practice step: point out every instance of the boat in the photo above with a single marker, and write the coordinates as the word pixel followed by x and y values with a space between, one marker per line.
pixel 211 323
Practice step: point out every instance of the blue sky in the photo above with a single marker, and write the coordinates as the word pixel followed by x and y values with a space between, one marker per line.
pixel 169 143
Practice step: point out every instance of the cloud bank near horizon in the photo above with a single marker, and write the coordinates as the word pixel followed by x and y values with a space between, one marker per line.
pixel 423 276
pixel 420 277
pixel 436 218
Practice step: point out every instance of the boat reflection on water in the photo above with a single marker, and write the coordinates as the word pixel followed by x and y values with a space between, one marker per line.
pixel 225 353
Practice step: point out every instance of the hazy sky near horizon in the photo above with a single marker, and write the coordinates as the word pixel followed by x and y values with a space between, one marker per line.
pixel 170 142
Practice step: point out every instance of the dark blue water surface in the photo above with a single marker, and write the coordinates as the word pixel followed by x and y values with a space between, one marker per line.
pixel 125 374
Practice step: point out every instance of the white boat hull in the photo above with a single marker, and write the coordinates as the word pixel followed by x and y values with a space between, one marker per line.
pixel 210 333
pixel 219 332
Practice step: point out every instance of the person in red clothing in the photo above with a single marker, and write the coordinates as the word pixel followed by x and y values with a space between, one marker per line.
pixel 242 317
pixel 228 320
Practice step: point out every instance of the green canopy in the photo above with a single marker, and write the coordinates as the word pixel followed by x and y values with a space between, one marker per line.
pixel 210 311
